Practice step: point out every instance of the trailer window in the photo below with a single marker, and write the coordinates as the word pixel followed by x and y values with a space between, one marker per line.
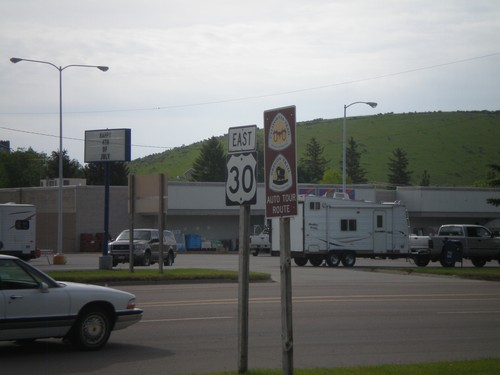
pixel 314 205
pixel 22 224
pixel 380 221
pixel 348 225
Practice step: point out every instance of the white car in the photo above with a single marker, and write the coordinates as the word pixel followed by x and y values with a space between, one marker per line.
pixel 35 306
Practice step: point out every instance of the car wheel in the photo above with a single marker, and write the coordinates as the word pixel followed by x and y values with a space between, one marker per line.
pixel 422 260
pixel 91 330
pixel 146 259
pixel 170 259
pixel 478 262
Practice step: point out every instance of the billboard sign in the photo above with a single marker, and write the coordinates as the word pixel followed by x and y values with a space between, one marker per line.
pixel 107 145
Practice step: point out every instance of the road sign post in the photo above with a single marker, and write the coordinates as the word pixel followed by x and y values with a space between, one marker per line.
pixel 281 201
pixel 241 189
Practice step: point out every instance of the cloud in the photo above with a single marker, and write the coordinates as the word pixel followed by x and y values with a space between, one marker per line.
pixel 179 56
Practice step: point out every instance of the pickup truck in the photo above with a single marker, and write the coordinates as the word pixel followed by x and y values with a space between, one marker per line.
pixel 455 242
pixel 260 242
pixel 419 249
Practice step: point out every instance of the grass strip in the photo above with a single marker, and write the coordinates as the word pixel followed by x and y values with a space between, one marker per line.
pixel 183 274
pixel 476 367
pixel 486 273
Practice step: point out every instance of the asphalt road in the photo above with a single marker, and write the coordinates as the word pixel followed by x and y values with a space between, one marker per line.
pixel 341 317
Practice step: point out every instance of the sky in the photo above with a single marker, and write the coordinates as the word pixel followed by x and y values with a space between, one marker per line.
pixel 183 71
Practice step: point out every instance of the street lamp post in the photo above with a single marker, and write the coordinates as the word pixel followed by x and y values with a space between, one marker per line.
pixel 60 181
pixel 371 104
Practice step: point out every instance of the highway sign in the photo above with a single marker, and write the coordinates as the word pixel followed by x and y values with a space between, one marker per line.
pixel 241 179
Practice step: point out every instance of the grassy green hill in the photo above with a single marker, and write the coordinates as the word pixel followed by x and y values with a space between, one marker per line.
pixel 454 147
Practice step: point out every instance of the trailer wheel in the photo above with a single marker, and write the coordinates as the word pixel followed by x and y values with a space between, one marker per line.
pixel 300 261
pixel 316 261
pixel 333 259
pixel 349 259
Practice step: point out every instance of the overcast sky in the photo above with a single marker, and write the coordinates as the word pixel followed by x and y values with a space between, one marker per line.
pixel 183 71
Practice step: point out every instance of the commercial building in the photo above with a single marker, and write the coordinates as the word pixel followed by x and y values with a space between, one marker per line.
pixel 199 209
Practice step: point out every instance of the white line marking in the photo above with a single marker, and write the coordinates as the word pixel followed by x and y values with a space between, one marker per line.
pixel 185 319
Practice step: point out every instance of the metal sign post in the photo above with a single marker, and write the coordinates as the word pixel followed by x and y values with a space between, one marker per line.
pixel 281 201
pixel 241 189
pixel 106 146
pixel 243 289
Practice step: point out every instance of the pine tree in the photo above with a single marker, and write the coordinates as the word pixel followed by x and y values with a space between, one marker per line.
pixel 398 168
pixel 426 179
pixel 494 181
pixel 210 166
pixel 313 164
pixel 353 167
pixel 71 167
pixel 118 173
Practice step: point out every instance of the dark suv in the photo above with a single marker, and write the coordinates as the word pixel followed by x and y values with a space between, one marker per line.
pixel 146 247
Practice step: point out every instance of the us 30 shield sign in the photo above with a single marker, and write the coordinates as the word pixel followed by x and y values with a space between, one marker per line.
pixel 241 179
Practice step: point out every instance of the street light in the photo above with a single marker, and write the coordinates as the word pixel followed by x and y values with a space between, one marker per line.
pixel 371 104
pixel 15 60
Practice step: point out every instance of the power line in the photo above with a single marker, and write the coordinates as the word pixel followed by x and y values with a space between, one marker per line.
pixel 75 139
pixel 429 67
pixel 245 98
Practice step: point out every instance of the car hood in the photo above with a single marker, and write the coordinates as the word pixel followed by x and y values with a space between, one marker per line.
pixel 90 287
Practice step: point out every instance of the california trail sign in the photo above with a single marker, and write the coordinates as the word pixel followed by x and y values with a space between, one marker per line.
pixel 280 162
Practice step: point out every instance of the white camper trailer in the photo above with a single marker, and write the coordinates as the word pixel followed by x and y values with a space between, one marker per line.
pixel 18 230
pixel 340 230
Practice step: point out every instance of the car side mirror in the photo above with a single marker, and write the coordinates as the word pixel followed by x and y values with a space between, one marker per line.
pixel 44 288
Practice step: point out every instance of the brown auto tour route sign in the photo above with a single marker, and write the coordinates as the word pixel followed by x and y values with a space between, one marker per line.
pixel 280 162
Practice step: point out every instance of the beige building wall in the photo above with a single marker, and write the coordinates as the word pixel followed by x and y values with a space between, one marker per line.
pixel 199 208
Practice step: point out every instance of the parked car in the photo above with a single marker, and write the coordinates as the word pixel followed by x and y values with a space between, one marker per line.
pixel 35 306
pixel 146 247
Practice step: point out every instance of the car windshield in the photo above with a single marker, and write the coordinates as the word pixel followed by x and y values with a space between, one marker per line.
pixel 143 235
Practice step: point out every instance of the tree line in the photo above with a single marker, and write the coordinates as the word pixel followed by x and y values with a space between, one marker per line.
pixel 25 168
pixel 312 167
